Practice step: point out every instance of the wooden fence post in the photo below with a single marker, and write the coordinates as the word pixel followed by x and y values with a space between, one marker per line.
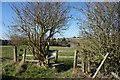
pixel 15 53
pixel 88 64
pixel 83 69
pixel 56 57
pixel 75 60
pixel 48 60
pixel 24 55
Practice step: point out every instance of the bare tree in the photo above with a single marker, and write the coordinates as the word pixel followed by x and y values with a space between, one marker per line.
pixel 40 21
pixel 102 29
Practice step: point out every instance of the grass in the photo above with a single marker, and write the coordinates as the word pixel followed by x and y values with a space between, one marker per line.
pixel 29 70
pixel 34 72
pixel 66 54
pixel 9 70
pixel 6 52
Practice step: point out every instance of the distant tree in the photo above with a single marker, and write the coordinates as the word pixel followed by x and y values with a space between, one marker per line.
pixel 102 29
pixel 54 38
pixel 4 42
pixel 74 37
pixel 39 21
pixel 63 39
pixel 52 41
pixel 16 40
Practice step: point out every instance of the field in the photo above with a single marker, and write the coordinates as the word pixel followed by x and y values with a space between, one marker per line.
pixel 30 70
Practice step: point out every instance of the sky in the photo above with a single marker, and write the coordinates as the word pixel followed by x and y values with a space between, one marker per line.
pixel 6 14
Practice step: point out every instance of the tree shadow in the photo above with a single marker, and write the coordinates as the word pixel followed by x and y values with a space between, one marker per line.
pixel 5 58
pixel 64 67
pixel 6 77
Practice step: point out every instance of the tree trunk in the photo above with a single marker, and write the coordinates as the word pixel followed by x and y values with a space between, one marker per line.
pixel 33 50
pixel 42 64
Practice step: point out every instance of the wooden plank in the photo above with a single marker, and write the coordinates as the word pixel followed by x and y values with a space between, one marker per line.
pixel 79 64
pixel 65 56
pixel 57 64
pixel 52 62
pixel 52 57
pixel 29 55
pixel 32 60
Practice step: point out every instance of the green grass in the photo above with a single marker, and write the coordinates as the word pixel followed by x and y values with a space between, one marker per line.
pixel 66 74
pixel 30 71
pixel 66 53
pixel 7 52
pixel 9 70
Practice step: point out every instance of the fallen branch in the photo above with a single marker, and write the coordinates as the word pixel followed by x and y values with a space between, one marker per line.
pixel 100 65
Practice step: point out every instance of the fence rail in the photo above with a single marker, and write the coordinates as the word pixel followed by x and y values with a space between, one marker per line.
pixel 65 56
pixel 32 60
pixel 48 58
pixel 6 46
pixel 66 50
pixel 58 56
